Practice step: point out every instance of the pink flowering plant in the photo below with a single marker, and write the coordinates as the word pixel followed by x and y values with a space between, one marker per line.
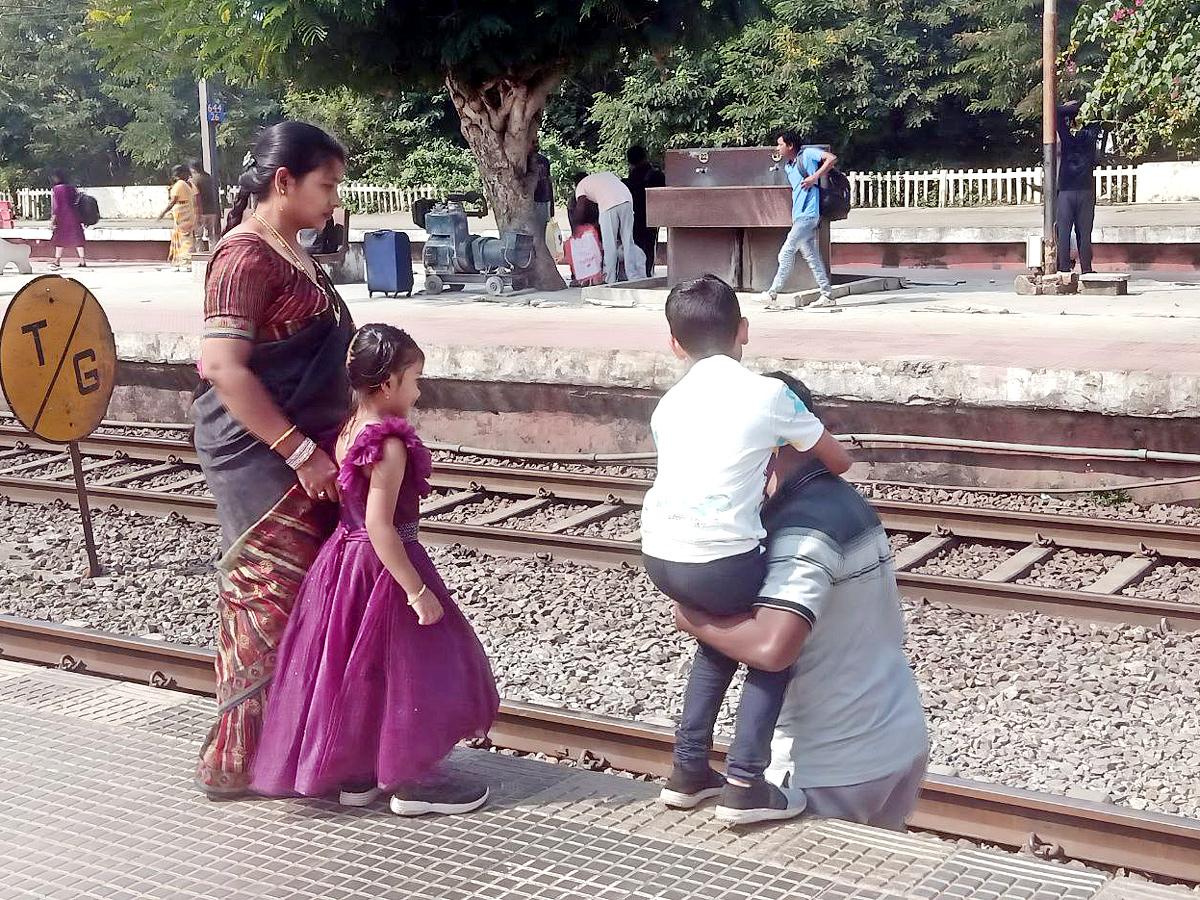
pixel 1143 62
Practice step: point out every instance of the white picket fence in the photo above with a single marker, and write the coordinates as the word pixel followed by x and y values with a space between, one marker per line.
pixel 30 203
pixel 976 187
pixel 34 203
pixel 372 198
pixel 924 188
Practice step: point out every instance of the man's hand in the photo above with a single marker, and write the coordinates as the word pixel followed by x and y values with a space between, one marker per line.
pixel 681 620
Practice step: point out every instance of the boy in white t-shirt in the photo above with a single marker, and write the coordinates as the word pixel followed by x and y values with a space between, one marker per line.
pixel 701 535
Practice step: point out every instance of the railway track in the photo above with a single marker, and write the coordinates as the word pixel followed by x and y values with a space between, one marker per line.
pixel 594 499
pixel 1161 845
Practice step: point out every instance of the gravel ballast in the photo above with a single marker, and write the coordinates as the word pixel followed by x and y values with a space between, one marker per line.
pixel 1026 700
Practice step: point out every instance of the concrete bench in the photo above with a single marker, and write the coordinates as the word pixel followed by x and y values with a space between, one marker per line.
pixel 17 255
pixel 1110 284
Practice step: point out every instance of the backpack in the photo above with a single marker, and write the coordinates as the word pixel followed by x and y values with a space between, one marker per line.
pixel 87 208
pixel 835 195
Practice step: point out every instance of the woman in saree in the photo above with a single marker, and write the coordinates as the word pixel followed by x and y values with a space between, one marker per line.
pixel 272 397
pixel 183 214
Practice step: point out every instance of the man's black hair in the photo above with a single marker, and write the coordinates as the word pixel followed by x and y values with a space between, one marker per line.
pixel 578 177
pixel 704 315
pixel 636 155
pixel 195 165
pixel 799 388
pixel 791 138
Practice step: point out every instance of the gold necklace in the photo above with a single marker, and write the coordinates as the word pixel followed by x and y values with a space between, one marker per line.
pixel 292 254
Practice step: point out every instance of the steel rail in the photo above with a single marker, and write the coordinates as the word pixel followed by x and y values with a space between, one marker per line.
pixel 1074 532
pixel 137 448
pixel 1167 846
pixel 959 593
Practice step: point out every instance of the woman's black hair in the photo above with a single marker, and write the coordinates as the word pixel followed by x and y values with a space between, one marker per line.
pixel 181 172
pixel 296 146
pixel 59 176
pixel 377 352
pixel 791 138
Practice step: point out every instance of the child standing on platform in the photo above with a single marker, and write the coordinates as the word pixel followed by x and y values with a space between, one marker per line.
pixel 379 674
pixel 715 432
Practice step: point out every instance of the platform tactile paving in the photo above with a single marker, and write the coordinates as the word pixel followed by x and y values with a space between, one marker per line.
pixel 1128 889
pixel 973 875
pixel 96 803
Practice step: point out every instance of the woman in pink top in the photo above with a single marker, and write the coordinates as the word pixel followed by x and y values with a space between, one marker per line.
pixel 66 230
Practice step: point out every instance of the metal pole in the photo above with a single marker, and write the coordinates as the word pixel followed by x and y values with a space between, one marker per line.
pixel 85 512
pixel 1049 133
pixel 208 138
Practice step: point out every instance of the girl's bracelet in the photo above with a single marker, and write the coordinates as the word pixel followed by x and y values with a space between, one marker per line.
pixel 420 594
pixel 283 437
pixel 302 454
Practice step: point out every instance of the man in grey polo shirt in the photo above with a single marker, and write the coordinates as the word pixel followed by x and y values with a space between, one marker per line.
pixel 852 732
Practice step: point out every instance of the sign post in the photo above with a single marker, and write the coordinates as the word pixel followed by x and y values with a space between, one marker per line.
pixel 1049 134
pixel 212 113
pixel 58 364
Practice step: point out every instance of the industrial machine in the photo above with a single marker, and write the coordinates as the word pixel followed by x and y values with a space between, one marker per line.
pixel 453 257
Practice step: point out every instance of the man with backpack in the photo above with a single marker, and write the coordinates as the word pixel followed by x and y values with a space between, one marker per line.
pixel 804 167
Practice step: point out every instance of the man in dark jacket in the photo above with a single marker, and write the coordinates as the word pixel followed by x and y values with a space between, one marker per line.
pixel 543 193
pixel 1076 200
pixel 208 205
pixel 643 174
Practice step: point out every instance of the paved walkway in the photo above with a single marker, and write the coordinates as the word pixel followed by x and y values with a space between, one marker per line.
pixel 1000 222
pixel 950 336
pixel 98 804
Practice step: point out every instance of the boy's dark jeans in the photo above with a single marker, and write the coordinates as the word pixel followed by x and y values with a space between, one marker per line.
pixel 723 587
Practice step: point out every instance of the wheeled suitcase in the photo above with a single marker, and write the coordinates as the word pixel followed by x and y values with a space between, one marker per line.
pixel 389 263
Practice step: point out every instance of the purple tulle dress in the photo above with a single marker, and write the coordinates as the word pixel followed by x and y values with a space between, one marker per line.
pixel 362 692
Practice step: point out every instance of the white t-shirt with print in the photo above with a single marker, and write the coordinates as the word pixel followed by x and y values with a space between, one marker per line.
pixel 715 432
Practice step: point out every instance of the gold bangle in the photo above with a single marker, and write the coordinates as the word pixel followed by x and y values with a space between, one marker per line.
pixel 283 437
pixel 420 593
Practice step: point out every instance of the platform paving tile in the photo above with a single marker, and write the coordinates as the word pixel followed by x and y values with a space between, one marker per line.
pixel 104 811
pixel 979 875
pixel 96 802
pixel 1131 889
pixel 864 856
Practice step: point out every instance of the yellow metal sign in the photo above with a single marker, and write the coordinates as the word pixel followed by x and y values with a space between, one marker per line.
pixel 58 360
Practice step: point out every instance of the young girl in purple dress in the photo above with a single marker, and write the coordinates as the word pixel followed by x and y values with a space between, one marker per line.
pixel 379 674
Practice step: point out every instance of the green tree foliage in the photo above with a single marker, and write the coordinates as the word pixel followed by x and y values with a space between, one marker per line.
pixel 53 110
pixel 1146 79
pixel 379 132
pixel 906 81
pixel 1001 67
pixel 60 109
pixel 499 62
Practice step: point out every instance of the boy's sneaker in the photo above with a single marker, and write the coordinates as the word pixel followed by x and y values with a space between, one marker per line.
pixel 767 297
pixel 686 788
pixel 358 795
pixel 441 795
pixel 825 301
pixel 761 802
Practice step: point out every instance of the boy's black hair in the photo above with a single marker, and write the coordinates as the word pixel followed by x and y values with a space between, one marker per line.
pixel 799 388
pixel 635 155
pixel 578 177
pixel 704 315
pixel 790 137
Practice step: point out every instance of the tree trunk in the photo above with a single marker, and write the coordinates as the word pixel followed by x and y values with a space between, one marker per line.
pixel 500 121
